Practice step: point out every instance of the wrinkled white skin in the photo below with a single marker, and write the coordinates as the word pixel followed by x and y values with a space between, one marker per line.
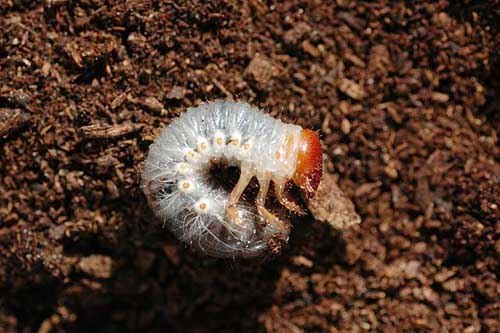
pixel 182 194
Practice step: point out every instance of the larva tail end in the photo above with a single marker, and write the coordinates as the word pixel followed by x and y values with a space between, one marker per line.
pixel 309 163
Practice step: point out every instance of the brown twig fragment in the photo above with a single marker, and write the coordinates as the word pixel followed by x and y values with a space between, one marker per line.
pixel 105 131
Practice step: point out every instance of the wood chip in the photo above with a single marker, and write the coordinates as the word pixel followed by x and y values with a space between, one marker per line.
pixel 153 104
pixel 118 101
pixel 351 89
pixel 439 97
pixel 330 205
pixel 366 188
pixel 310 49
pixel 302 261
pixel 105 131
pixel 222 88
pixel 355 60
pixel 391 171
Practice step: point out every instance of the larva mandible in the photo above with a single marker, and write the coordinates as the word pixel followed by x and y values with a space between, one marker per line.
pixel 177 183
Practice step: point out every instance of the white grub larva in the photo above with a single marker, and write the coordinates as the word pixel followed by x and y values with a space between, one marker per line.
pixel 179 187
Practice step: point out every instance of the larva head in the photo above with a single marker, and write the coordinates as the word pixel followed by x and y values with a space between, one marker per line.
pixel 309 163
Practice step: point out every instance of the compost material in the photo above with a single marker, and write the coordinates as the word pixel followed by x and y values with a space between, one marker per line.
pixel 404 96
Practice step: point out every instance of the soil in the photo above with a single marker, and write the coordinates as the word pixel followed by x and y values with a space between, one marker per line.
pixel 405 96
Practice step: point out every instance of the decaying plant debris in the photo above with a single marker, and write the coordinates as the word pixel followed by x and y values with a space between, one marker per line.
pixel 332 206
pixel 405 96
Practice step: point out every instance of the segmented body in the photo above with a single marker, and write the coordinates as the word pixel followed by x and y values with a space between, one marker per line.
pixel 179 188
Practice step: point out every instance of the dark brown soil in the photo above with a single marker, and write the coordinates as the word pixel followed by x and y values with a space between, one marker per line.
pixel 405 97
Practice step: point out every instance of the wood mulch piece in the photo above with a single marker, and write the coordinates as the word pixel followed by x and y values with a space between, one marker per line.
pixel 404 95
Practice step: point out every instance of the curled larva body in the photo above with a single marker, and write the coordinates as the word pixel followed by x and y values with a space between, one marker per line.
pixel 181 192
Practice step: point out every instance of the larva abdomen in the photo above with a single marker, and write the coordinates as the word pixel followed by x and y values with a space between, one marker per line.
pixel 181 192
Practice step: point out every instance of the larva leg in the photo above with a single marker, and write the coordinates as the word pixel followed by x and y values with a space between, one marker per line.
pixel 264 180
pixel 235 195
pixel 279 188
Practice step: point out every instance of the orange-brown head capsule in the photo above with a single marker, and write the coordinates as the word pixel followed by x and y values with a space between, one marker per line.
pixel 309 163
